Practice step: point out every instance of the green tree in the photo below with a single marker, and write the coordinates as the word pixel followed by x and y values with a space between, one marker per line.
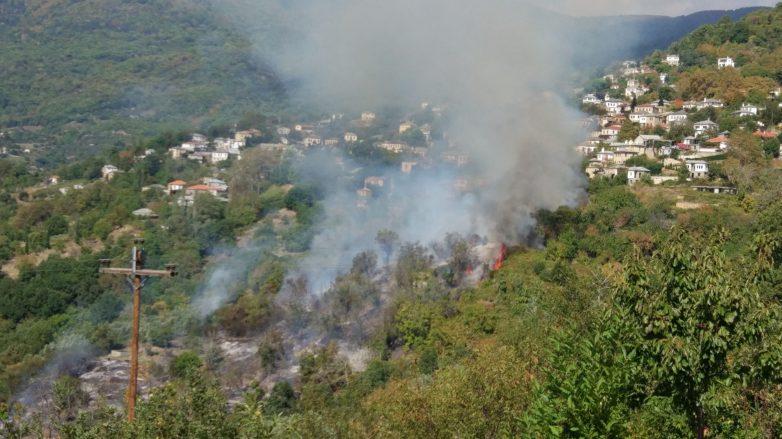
pixel 704 327
pixel 629 131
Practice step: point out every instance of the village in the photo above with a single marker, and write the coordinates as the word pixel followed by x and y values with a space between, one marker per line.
pixel 629 132
pixel 628 135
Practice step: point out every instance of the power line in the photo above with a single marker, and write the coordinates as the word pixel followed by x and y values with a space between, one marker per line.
pixel 137 276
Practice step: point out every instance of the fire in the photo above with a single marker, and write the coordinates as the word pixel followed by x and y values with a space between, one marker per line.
pixel 501 255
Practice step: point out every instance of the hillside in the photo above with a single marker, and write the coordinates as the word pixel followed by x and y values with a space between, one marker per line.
pixel 79 75
pixel 84 75
pixel 629 37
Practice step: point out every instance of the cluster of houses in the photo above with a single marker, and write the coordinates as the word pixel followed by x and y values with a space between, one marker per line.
pixel 608 154
pixel 200 149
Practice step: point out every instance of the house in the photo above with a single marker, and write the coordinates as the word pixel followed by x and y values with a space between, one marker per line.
pixel 706 103
pixel 368 117
pixel 676 118
pixel 647 139
pixel 594 168
pixel 311 140
pixel 108 172
pixel 194 190
pixel 374 181
pixel 405 126
pixel 611 131
pixel 243 135
pixel 646 120
pixel 175 186
pixel 351 137
pixel 672 60
pixel 591 99
pixel 614 106
pixel 725 62
pixel 283 131
pixel 705 126
pixel 331 142
pixel 303 128
pixel 215 184
pixel 636 173
pixel 698 168
pixel 623 155
pixel 145 212
pixel 720 140
pixel 394 147
pixel 747 110
pixel 690 105
pixel 663 77
pixel 605 156
pixel 646 108
pixel 198 138
pixel 586 149
pixel 637 90
pixel 407 167
pixel 218 156
pixel 54 179
pixel 200 156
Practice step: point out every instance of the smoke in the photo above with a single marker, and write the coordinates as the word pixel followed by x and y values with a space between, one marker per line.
pixel 498 65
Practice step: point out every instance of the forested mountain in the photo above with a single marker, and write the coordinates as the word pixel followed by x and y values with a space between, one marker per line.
pixel 630 37
pixel 82 73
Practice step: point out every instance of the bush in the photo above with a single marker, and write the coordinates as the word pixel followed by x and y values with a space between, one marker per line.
pixel 185 365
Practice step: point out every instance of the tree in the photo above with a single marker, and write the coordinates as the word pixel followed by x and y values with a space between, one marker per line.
pixel 704 327
pixel 387 240
pixel 629 131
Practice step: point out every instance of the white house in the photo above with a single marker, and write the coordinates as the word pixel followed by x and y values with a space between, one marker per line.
pixel 698 168
pixel 591 99
pixel 672 60
pixel 351 137
pixel 312 140
pixel 368 116
pixel 175 186
pixel 725 62
pixel 747 110
pixel 704 127
pixel 614 105
pixel 663 77
pixel 676 117
pixel 108 172
pixel 220 155
pixel 215 184
pixel 283 131
pixel 394 147
pixel 405 126
pixel 706 103
pixel 635 173
pixel 198 137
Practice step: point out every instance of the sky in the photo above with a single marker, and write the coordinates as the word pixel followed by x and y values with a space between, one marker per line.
pixel 656 7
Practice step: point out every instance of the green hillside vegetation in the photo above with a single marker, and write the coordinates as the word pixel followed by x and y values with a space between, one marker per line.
pixel 754 42
pixel 82 76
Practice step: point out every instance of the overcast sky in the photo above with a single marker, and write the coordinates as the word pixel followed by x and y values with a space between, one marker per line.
pixel 655 7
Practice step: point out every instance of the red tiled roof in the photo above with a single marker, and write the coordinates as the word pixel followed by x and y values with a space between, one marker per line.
pixel 177 183
pixel 765 135
pixel 718 139
pixel 199 187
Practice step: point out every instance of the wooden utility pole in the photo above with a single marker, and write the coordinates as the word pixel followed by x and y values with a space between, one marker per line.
pixel 136 276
